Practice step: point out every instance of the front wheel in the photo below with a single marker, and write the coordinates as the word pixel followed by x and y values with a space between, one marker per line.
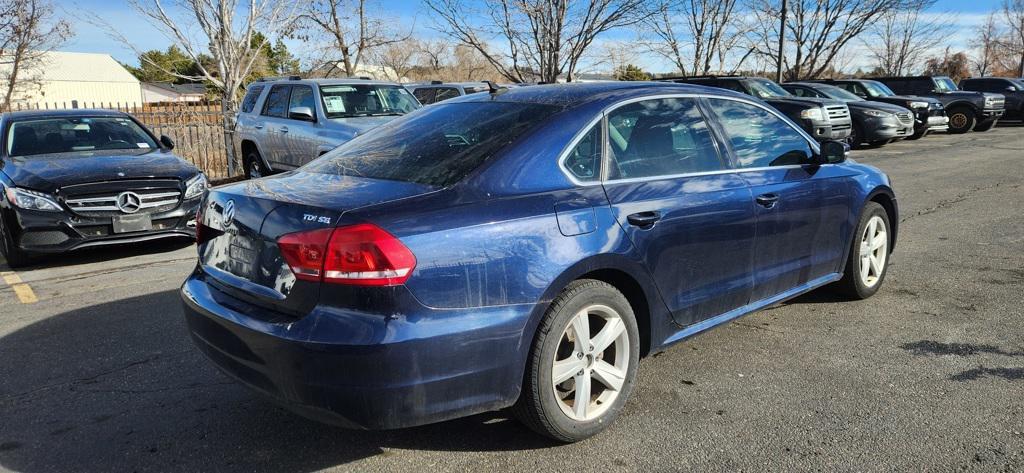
pixel 961 120
pixel 16 258
pixel 869 255
pixel 986 125
pixel 582 364
pixel 918 134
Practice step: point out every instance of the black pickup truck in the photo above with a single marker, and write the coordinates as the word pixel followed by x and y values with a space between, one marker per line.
pixel 1011 89
pixel 978 111
pixel 824 119
pixel 929 114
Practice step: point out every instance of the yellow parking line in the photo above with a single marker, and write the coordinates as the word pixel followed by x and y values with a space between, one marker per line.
pixel 24 292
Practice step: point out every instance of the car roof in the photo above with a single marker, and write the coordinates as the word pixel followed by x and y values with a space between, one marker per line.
pixel 579 93
pixel 74 112
pixel 328 81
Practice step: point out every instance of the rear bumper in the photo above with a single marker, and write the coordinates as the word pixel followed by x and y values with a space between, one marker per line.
pixel 59 232
pixel 362 370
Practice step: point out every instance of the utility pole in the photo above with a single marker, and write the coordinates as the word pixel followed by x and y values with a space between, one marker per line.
pixel 782 43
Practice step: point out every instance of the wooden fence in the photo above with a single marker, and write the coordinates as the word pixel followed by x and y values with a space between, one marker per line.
pixel 195 127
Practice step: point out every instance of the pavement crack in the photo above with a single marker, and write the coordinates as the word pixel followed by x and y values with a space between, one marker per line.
pixel 949 203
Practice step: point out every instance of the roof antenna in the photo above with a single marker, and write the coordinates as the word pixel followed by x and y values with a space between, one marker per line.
pixel 494 89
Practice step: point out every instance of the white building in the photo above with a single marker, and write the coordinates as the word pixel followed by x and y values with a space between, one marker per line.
pixel 68 79
pixel 166 92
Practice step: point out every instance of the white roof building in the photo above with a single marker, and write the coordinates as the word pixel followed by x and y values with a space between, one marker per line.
pixel 82 79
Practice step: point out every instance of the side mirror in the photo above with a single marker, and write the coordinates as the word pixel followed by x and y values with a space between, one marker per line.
pixel 1011 88
pixel 167 141
pixel 832 152
pixel 301 113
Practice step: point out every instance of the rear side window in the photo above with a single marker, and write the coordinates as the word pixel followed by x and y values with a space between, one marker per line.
pixel 445 93
pixel 251 96
pixel 425 95
pixel 438 146
pixel 660 137
pixel 584 161
pixel 277 101
pixel 758 137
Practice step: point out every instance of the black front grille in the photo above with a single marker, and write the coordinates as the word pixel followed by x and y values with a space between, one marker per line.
pixel 101 199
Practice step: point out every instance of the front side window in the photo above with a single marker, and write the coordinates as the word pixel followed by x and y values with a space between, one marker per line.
pixel 366 100
pixel 438 146
pixel 76 135
pixel 766 89
pixel 945 84
pixel 758 137
pixel 584 161
pixel 277 101
pixel 302 96
pixel 660 137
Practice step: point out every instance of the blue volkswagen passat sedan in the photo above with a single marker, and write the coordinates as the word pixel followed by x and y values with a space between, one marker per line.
pixel 524 248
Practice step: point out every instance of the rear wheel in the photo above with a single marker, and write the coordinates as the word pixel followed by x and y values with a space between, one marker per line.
pixel 582 364
pixel 869 255
pixel 15 257
pixel 961 120
pixel 986 125
pixel 254 168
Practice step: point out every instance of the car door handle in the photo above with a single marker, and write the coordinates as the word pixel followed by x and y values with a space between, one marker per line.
pixel 643 219
pixel 258 127
pixel 283 129
pixel 767 200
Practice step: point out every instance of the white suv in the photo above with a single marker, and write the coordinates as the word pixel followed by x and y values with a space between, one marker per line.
pixel 285 123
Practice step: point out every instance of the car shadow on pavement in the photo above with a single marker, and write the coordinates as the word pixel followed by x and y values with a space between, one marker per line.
pixel 102 253
pixel 118 386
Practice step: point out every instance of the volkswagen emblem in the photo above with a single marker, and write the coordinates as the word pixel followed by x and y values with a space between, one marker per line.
pixel 129 202
pixel 229 213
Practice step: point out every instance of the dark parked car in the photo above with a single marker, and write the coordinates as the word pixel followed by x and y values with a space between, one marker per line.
pixel 978 111
pixel 824 119
pixel 524 249
pixel 929 113
pixel 1011 89
pixel 874 123
pixel 76 179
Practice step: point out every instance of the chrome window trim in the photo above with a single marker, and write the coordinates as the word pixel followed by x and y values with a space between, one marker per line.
pixel 600 118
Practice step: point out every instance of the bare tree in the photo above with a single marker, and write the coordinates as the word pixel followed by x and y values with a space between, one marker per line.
pixel 901 38
pixel 353 31
pixel 986 41
pixel 540 39
pixel 399 58
pixel 698 36
pixel 28 31
pixel 816 31
pixel 1013 13
pixel 231 32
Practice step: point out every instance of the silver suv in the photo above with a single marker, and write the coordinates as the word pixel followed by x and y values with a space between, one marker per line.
pixel 285 123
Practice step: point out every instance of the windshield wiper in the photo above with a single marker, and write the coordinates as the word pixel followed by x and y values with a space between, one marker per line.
pixel 385 114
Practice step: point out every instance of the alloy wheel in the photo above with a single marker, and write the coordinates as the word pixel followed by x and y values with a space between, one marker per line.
pixel 958 120
pixel 589 370
pixel 874 245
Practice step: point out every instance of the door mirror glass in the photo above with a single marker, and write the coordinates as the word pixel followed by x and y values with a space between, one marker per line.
pixel 301 113
pixel 832 152
pixel 1011 88
pixel 167 141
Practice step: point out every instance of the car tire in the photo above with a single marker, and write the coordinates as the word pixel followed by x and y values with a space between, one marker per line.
pixel 856 138
pixel 15 257
pixel 868 260
pixel 254 167
pixel 961 120
pixel 544 404
pixel 986 125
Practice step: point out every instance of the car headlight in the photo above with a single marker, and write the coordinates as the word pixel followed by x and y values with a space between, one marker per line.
pixel 31 200
pixel 196 186
pixel 877 113
pixel 812 114
pixel 918 104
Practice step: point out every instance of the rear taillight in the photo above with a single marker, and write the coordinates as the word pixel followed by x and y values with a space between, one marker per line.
pixel 362 255
pixel 203 232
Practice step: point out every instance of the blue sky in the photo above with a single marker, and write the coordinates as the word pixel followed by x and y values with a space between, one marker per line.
pixel 90 38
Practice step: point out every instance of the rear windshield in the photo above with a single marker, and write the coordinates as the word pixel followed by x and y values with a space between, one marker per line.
pixel 437 146
pixel 361 100
pixel 75 134
pixel 767 89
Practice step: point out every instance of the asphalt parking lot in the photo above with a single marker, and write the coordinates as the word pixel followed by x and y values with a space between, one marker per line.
pixel 98 374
